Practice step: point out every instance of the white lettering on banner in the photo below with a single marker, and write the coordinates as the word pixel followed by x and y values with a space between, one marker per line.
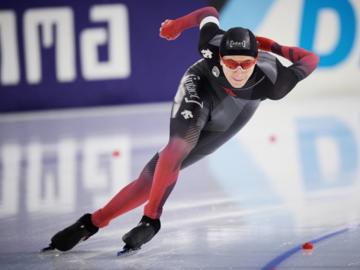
pixel 49 19
pixel 9 58
pixel 9 180
pixel 57 190
pixel 105 180
pixel 54 27
pixel 117 37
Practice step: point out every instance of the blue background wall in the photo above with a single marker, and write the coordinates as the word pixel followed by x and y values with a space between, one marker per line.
pixel 155 64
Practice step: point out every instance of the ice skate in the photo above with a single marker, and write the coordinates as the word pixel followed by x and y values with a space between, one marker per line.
pixel 66 239
pixel 141 234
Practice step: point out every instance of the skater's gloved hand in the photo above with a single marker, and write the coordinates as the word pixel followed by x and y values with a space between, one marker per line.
pixel 170 29
pixel 264 43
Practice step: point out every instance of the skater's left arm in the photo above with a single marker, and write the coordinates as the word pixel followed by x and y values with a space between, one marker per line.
pixel 303 64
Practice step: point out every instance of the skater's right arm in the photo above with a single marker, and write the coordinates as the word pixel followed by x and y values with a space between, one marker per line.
pixel 303 64
pixel 171 29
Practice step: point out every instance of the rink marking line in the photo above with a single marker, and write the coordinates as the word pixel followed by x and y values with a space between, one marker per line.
pixel 287 254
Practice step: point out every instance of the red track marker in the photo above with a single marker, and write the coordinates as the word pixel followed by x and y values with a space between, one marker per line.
pixel 116 153
pixel 308 246
pixel 272 139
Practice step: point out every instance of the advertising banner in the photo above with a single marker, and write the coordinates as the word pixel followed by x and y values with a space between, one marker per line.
pixel 61 54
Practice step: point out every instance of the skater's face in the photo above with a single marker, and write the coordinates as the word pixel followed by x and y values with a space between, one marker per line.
pixel 237 68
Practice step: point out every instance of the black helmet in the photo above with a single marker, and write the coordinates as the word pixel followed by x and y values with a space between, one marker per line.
pixel 239 41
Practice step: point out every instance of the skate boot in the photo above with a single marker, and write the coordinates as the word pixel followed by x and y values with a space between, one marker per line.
pixel 72 235
pixel 142 233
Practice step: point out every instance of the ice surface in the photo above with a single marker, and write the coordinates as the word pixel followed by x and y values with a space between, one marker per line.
pixel 202 226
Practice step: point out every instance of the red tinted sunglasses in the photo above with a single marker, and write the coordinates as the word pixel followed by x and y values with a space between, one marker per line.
pixel 232 64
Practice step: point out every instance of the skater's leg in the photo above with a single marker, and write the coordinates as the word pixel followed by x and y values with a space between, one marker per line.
pixel 166 172
pixel 184 135
pixel 148 225
pixel 165 176
pixel 130 197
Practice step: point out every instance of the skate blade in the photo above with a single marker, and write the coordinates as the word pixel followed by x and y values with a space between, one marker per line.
pixel 127 252
pixel 48 249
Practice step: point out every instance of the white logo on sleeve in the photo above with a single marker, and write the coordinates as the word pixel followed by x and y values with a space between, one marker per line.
pixel 215 71
pixel 207 53
pixel 187 114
